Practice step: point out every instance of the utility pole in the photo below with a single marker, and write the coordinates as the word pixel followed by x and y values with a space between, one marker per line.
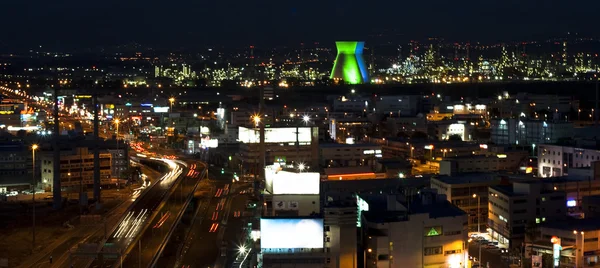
pixel 261 110
pixel 56 194
pixel 96 154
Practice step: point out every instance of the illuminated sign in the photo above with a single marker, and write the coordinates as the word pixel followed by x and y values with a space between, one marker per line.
pixel 483 146
pixel 146 104
pixel 429 147
pixel 361 205
pixel 128 104
pixel 7 112
pixel 275 135
pixel 556 248
pixel 291 233
pixel 349 140
pixel 83 96
pixel 11 128
pixel 209 143
pixel 501 156
pixel 372 152
pixel 220 113
pixel 571 203
pixel 284 182
pixel 161 109
pixel 433 231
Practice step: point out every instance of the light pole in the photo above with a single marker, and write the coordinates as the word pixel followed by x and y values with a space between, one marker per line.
pixel 578 114
pixel 33 184
pixel 171 100
pixel 117 121
pixel 412 148
pixel 478 224
pixel 533 149
pixel 578 250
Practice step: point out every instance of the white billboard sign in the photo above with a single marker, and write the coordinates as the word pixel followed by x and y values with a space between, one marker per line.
pixel 284 182
pixel 275 135
pixel 291 233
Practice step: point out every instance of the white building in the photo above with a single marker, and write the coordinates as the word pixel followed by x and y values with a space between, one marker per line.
pixel 556 160
pixel 432 233
pixel 527 132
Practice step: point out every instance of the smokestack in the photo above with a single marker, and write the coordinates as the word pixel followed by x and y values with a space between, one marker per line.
pixel 56 194
pixel 96 155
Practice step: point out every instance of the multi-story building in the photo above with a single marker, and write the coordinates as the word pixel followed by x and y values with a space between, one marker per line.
pixel 556 160
pixel 468 192
pixel 348 128
pixel 282 145
pixel 521 131
pixel 512 208
pixel 348 155
pixel 400 105
pixel 76 167
pixel 15 166
pixel 508 161
pixel 352 104
pixel 443 130
pixel 430 232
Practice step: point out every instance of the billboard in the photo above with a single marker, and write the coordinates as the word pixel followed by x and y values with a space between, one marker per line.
pixel 161 109
pixel 291 233
pixel 275 135
pixel 285 182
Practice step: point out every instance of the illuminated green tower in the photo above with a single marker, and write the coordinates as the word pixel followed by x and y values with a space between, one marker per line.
pixel 349 64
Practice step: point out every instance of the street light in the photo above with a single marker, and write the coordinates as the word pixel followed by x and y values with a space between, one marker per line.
pixel 301 167
pixel 306 119
pixel 478 223
pixel 256 119
pixel 582 247
pixel 533 149
pixel 33 184
pixel 171 100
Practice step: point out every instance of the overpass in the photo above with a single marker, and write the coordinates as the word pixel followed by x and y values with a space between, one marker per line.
pixel 142 232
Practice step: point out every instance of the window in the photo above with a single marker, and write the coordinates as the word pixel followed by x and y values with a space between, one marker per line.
pixel 432 251
pixel 450 252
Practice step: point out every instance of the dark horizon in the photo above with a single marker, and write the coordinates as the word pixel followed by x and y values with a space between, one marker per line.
pixel 186 24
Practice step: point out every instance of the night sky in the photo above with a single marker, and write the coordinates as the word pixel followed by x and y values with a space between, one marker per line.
pixel 186 23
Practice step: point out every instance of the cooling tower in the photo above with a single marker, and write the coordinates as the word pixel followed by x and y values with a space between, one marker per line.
pixel 349 64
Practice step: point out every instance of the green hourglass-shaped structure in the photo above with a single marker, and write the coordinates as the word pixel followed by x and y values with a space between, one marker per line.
pixel 349 64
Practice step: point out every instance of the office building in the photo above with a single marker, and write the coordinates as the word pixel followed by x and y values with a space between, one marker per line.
pixel 507 161
pixel 469 192
pixel 15 166
pixel 405 105
pixel 430 232
pixel 76 168
pixel 291 145
pixel 513 207
pixel 522 131
pixel 557 160
pixel 348 155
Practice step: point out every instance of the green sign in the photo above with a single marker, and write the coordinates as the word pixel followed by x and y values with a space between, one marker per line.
pixel 433 231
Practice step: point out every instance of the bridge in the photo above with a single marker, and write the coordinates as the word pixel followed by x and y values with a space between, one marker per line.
pixel 143 231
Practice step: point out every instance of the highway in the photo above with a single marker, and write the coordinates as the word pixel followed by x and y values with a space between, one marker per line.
pixel 140 213
pixel 216 233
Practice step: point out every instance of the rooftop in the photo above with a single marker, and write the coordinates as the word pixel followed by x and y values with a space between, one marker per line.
pixel 506 190
pixel 343 145
pixel 587 224
pixel 465 178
